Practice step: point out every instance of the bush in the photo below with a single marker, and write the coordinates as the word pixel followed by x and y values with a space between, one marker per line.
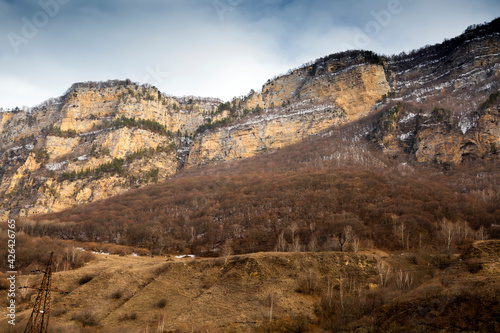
pixel 86 318
pixel 130 316
pixel 473 268
pixel 441 261
pixel 41 155
pixel 113 167
pixel 149 125
pixel 216 124
pixel 84 279
pixel 56 131
pixel 490 101
pixel 161 303
pixel 59 311
pixel 117 294
pixel 285 324
pixel 307 283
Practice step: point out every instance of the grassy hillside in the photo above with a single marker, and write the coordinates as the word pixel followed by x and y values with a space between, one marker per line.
pixel 285 292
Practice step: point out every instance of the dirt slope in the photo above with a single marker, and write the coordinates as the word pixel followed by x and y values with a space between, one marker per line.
pixel 134 294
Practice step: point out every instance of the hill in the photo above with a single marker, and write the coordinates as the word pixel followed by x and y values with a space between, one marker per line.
pixel 280 292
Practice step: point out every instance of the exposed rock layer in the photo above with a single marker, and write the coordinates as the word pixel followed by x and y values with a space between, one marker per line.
pixel 99 140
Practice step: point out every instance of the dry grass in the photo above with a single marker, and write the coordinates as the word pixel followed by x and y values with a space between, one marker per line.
pixel 193 294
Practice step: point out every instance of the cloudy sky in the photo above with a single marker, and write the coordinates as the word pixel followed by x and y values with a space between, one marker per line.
pixel 218 48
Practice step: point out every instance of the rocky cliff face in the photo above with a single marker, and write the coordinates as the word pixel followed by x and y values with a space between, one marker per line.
pixel 101 139
pixel 271 130
pixel 434 136
pixel 349 81
pixel 96 141
pixel 441 89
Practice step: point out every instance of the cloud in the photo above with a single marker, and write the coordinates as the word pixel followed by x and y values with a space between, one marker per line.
pixel 220 48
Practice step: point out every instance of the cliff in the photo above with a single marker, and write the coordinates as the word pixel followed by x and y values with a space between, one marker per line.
pixel 349 81
pixel 101 139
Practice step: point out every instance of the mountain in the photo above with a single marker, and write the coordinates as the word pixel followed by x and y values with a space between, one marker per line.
pixel 356 193
pixel 435 105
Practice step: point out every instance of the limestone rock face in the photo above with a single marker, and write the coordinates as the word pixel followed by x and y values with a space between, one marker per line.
pixel 29 165
pixel 262 133
pixel 438 145
pixel 76 149
pixel 81 104
pixel 101 139
pixel 435 140
pixel 355 90
pixel 57 146
pixel 85 109
pixel 444 145
pixel 350 83
pixel 124 141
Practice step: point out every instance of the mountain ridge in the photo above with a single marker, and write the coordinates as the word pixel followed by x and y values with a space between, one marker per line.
pixel 55 157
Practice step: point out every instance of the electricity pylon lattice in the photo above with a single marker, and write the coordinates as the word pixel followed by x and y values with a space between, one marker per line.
pixel 39 319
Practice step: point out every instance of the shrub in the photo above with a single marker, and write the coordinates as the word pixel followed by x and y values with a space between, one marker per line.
pixel 149 125
pixel 307 283
pixel 59 311
pixel 113 167
pixel 86 318
pixel 161 303
pixel 130 316
pixel 56 131
pixel 473 268
pixel 117 294
pixel 86 278
pixel 216 124
pixel 490 101
pixel 441 261
pixel 41 155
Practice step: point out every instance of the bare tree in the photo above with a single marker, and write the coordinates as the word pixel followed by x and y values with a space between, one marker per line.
pixel 313 244
pixel 404 279
pixel 329 292
pixel 296 244
pixel 341 289
pixel 281 243
pixel 482 234
pixel 383 272
pixel 272 298
pixel 160 324
pixel 156 238
pixel 399 232
pixel 355 244
pixel 344 237
pixel 227 251
pixel 448 230
pixel 72 255
pixel 293 228
pixel 24 286
pixel 312 227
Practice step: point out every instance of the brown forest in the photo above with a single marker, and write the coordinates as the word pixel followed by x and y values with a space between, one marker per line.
pixel 331 192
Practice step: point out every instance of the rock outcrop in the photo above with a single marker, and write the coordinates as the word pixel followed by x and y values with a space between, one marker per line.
pixel 101 139
pixel 348 81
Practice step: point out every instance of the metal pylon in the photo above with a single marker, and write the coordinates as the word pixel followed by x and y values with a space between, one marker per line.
pixel 39 319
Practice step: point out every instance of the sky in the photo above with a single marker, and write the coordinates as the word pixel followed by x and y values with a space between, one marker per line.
pixel 213 48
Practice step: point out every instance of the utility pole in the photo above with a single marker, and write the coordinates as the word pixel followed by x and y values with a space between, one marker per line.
pixel 39 319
